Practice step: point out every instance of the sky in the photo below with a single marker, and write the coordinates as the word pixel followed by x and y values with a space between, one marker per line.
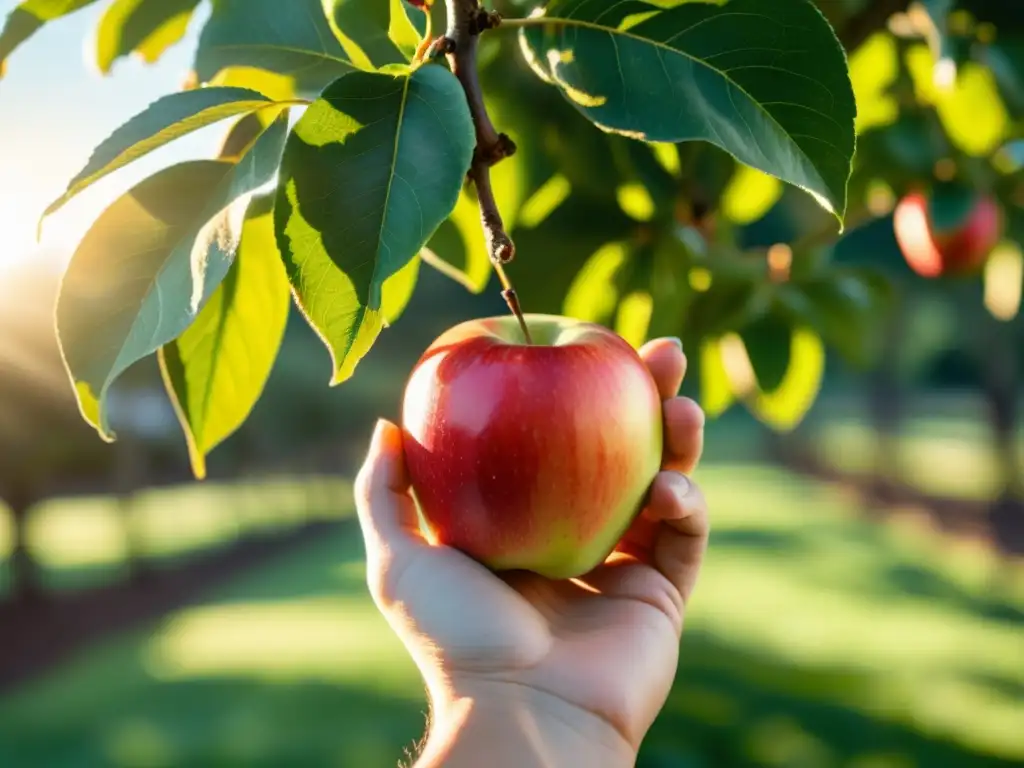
pixel 55 107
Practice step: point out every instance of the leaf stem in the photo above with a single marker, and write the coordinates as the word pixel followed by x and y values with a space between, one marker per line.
pixel 467 19
pixel 526 21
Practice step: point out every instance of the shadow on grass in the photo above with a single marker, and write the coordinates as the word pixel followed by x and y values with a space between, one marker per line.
pixel 730 708
pixel 918 582
pixel 345 695
pixel 220 722
pixel 893 574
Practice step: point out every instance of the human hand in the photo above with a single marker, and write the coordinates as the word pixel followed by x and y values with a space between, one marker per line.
pixel 525 669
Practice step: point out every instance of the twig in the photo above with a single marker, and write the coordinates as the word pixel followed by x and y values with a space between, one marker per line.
pixel 466 21
pixel 872 18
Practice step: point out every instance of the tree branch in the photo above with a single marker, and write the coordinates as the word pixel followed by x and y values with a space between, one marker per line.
pixel 467 19
pixel 869 20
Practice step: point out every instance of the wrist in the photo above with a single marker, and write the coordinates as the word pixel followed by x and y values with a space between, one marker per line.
pixel 505 725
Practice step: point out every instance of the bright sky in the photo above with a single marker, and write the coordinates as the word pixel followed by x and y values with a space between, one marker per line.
pixel 54 108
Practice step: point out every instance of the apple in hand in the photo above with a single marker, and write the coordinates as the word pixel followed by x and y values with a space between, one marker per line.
pixel 531 456
pixel 949 232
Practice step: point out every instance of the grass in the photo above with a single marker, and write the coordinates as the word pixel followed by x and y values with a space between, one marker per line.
pixel 86 542
pixel 816 639
pixel 81 542
pixel 945 445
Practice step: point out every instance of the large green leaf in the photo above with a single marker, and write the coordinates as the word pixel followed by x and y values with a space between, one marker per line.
pixel 26 19
pixel 765 81
pixel 146 27
pixel 398 290
pixel 369 173
pixel 362 28
pixel 150 262
pixel 165 120
pixel 216 370
pixel 292 38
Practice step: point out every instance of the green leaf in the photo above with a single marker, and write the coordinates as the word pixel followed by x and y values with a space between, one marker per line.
pixel 416 14
pixel 874 67
pixel 634 317
pixel 243 134
pixel 146 27
pixel 727 305
pixel 165 120
pixel 369 173
pixel 216 370
pixel 768 345
pixel 551 254
pixel 26 19
pixel 458 250
pixel 670 288
pixel 750 195
pixel 594 293
pixel 972 111
pixel 848 309
pixel 398 290
pixel 402 28
pixel 150 262
pixel 362 28
pixel 765 81
pixel 784 408
pixel 716 395
pixel 293 39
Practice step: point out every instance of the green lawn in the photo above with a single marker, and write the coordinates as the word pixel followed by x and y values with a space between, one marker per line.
pixel 945 444
pixel 816 639
pixel 81 542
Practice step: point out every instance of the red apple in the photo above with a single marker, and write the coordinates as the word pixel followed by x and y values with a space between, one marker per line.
pixel 531 457
pixel 950 233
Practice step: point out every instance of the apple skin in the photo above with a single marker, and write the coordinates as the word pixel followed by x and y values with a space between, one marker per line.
pixel 958 249
pixel 531 457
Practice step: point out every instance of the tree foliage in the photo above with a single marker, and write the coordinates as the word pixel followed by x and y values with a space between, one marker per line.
pixel 711 169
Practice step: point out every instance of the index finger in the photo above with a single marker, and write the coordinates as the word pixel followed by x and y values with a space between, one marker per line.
pixel 683 418
pixel 665 360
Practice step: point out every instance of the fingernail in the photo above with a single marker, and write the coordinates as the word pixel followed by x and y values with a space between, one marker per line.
pixel 679 483
pixel 677 341
pixel 379 432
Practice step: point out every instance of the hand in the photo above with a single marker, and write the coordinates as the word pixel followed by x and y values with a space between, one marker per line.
pixel 583 665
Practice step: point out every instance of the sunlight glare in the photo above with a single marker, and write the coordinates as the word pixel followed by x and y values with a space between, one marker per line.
pixel 341 639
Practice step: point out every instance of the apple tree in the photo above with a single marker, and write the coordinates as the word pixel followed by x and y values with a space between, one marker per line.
pixel 675 167
pixel 940 166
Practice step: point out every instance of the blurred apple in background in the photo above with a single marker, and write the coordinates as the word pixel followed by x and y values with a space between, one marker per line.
pixel 531 456
pixel 949 231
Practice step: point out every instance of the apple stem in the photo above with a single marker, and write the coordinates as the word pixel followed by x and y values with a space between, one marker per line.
pixel 512 299
pixel 467 20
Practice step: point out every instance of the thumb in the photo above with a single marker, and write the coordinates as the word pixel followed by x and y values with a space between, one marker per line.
pixel 387 513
